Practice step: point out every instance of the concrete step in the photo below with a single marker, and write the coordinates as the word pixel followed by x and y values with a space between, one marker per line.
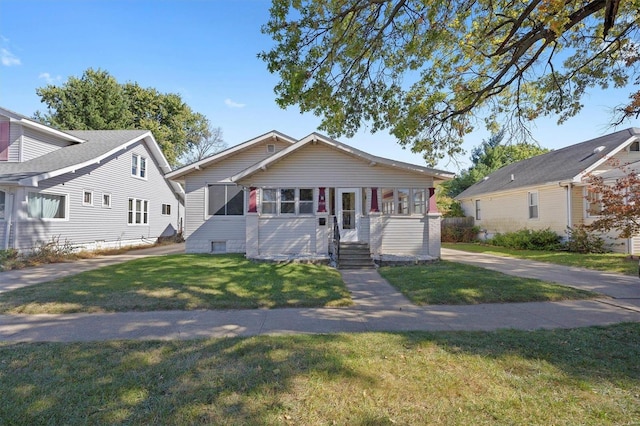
pixel 355 256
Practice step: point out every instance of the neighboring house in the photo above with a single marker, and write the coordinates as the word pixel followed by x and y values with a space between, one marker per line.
pixel 273 195
pixel 551 190
pixel 92 189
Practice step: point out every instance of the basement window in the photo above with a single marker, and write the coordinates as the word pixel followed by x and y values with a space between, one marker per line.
pixel 218 246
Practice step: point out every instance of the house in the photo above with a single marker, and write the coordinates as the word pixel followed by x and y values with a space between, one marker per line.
pixel 274 195
pixel 91 189
pixel 550 190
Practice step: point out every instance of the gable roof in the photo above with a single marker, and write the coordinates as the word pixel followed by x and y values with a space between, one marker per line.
pixel 28 122
pixel 97 145
pixel 179 173
pixel 569 164
pixel 318 138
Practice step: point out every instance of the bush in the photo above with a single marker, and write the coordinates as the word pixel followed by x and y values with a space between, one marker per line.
pixel 8 258
pixel 459 234
pixel 582 240
pixel 526 239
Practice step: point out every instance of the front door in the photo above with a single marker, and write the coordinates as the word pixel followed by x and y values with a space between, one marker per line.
pixel 348 211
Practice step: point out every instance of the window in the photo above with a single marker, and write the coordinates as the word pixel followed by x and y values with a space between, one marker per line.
pixel 287 201
pixel 594 203
pixel 533 205
pixel 218 246
pixel 3 198
pixel 87 198
pixel 46 206
pixel 271 149
pixel 306 201
pixel 106 200
pixel 138 166
pixel 138 212
pixel 404 201
pixel 419 201
pixel 225 200
pixel 166 209
pixel 269 201
pixel 635 146
pixel 388 201
pixel 478 210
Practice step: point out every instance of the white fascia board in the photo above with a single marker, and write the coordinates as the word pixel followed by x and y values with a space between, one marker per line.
pixel 610 154
pixel 33 180
pixel 198 165
pixel 50 130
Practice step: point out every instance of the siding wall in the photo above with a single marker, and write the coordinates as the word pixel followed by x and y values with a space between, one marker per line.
pixel 36 144
pixel 405 235
pixel 287 235
pixel 88 224
pixel 201 230
pixel 15 132
pixel 508 212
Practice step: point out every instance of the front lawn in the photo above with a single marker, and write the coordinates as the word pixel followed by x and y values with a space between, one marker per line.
pixel 610 262
pixel 588 376
pixel 183 282
pixel 452 283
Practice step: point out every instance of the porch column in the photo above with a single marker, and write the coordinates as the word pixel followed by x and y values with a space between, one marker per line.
pixel 253 199
pixel 432 206
pixel 434 235
pixel 375 207
pixel 322 200
pixel 252 242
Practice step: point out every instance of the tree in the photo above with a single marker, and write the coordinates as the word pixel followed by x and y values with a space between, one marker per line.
pixel 432 71
pixel 96 101
pixel 488 157
pixel 209 143
pixel 619 201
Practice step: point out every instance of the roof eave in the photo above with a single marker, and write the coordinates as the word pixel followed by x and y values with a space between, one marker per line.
pixel 44 128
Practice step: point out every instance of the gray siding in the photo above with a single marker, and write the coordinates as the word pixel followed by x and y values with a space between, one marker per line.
pixel 320 165
pixel 36 144
pixel 14 140
pixel 405 235
pixel 88 224
pixel 199 229
pixel 287 235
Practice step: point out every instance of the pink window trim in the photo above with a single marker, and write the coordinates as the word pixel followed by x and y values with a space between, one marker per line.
pixel 4 141
pixel 322 201
pixel 375 207
pixel 253 200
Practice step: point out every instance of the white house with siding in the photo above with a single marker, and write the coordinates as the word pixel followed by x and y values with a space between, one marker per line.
pixel 274 195
pixel 551 190
pixel 92 189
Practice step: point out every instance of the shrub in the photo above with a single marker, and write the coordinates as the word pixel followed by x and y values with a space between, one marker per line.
pixel 582 240
pixel 526 239
pixel 459 234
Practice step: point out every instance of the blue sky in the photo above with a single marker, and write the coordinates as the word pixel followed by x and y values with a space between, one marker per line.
pixel 206 51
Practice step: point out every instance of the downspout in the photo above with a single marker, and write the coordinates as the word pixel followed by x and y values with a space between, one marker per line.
pixel 569 206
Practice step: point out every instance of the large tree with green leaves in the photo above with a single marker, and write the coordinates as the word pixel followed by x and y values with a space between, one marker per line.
pixel 96 101
pixel 488 157
pixel 431 71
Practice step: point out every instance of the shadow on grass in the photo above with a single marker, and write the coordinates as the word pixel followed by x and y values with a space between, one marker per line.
pixel 183 282
pixel 373 378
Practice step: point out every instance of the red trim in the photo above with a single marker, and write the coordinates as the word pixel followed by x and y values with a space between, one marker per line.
pixel 253 200
pixel 322 203
pixel 375 207
pixel 4 140
pixel 433 206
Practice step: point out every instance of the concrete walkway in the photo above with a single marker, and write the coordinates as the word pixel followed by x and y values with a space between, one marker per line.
pixel 378 307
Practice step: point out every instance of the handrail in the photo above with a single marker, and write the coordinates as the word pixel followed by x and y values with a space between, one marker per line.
pixel 336 240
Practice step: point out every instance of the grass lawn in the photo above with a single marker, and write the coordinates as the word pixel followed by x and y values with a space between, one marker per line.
pixel 183 282
pixel 588 376
pixel 610 262
pixel 458 284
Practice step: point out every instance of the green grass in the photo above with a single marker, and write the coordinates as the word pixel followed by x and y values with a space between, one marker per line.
pixel 610 262
pixel 588 376
pixel 183 282
pixel 452 283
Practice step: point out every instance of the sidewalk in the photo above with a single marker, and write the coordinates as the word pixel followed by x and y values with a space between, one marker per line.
pixel 378 307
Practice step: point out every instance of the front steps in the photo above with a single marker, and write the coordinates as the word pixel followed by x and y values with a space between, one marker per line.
pixel 355 256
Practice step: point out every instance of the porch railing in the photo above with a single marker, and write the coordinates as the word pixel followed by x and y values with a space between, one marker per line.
pixel 335 241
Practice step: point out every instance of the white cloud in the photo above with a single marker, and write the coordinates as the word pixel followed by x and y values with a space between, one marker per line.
pixel 232 104
pixel 47 77
pixel 8 59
